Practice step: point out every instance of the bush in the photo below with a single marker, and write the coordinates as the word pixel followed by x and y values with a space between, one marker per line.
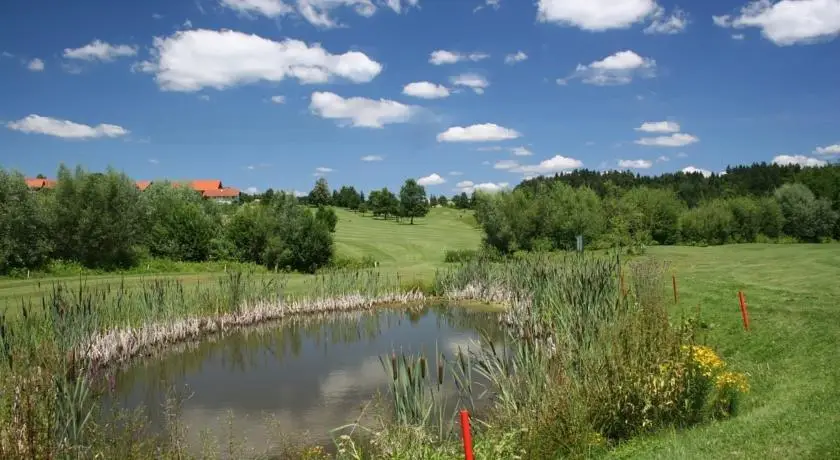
pixel 327 216
pixel 747 219
pixel 25 242
pixel 806 218
pixel 179 226
pixel 655 212
pixel 711 223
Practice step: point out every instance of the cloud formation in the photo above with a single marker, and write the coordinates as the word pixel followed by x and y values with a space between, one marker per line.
pixel 486 132
pixel 37 124
pixel 361 112
pixel 190 60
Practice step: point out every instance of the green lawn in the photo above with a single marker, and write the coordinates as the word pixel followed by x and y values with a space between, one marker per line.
pixel 793 292
pixel 793 296
pixel 413 251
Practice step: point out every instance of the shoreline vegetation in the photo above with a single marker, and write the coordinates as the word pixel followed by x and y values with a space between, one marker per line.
pixel 563 316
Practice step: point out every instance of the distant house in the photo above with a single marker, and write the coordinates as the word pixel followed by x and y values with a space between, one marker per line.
pixel 142 185
pixel 39 183
pixel 221 195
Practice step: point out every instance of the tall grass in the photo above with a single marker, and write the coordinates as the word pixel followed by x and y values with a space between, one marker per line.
pixel 591 358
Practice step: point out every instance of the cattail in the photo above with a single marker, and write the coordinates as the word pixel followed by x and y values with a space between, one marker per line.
pixel 394 365
pixel 423 367
pixel 440 370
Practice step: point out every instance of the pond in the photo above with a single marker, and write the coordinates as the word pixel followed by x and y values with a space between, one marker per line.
pixel 300 377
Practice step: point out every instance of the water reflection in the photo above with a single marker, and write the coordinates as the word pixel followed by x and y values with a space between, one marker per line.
pixel 311 375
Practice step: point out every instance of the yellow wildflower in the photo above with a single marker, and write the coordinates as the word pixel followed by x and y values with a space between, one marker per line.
pixel 706 358
pixel 734 380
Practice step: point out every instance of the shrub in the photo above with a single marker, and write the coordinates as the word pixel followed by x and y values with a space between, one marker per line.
pixel 806 217
pixel 327 216
pixel 655 212
pixel 710 223
pixel 24 226
pixel 352 263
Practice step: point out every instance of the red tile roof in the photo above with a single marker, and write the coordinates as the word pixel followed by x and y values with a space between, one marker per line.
pixel 229 192
pixel 206 184
pixel 143 184
pixel 36 183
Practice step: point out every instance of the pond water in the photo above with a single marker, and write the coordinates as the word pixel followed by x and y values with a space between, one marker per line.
pixel 306 375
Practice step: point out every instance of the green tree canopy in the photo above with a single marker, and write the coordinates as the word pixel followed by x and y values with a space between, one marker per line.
pixel 413 200
pixel 320 194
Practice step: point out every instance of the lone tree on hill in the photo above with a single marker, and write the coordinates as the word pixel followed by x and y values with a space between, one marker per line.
pixel 413 200
pixel 320 194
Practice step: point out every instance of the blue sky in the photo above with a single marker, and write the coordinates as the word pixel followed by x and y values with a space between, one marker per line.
pixel 270 93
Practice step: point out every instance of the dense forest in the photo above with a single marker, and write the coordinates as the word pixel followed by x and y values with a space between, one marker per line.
pixel 754 203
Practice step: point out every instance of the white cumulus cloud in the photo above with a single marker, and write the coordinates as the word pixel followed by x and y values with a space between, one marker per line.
pixel 425 90
pixel 595 15
pixel 801 160
pixel 432 179
pixel 674 140
pixel 101 51
pixel 659 127
pixel 788 22
pixel 370 158
pixel 269 8
pixel 617 69
pixel 521 152
pixel 663 158
pixel 64 128
pixel 440 57
pixel 519 56
pixel 323 170
pixel 252 190
pixel 694 170
pixel 469 186
pixel 506 164
pixel 668 25
pixel 194 59
pixel 557 164
pixel 278 99
pixel 361 112
pixel 635 164
pixel 829 150
pixel 486 132
pixel 35 65
pixel 471 80
pixel 316 12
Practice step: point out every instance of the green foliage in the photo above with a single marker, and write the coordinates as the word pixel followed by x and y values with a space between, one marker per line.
pixel 653 212
pixel 327 217
pixel 413 200
pixel 710 223
pixel 320 194
pixel 806 217
pixel 384 203
pixel 352 263
pixel 25 241
pixel 99 218
pixel 348 198
pixel 282 235
pixel 178 226
pixel 549 218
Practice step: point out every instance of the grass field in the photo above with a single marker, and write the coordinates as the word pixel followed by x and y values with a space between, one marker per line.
pixel 793 296
pixel 413 251
pixel 793 293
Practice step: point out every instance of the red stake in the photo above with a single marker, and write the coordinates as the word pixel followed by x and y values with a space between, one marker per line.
pixel 465 431
pixel 674 281
pixel 744 315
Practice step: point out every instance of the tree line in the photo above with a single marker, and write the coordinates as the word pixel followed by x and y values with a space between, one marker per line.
pixel 102 220
pixel 748 204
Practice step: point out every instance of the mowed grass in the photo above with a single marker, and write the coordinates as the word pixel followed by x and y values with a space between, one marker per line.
pixel 412 251
pixel 791 351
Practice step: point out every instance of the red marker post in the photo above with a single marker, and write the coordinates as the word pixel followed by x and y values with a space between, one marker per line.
pixel 744 314
pixel 465 431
